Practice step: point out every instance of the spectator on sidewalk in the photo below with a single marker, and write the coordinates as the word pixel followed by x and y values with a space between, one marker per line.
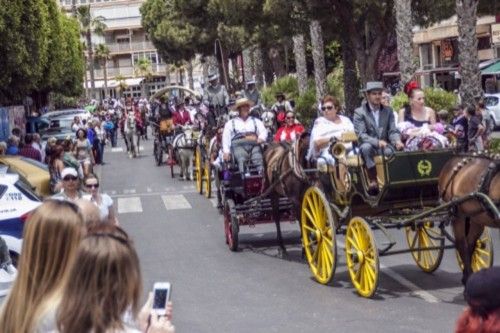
pixel 50 242
pixel 482 293
pixel 104 285
pixel 12 145
pixel 3 147
pixel 56 167
pixel 101 200
pixel 70 186
pixel 29 151
pixel 475 130
pixel 37 144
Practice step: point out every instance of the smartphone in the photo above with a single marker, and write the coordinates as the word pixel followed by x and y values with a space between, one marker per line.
pixel 161 295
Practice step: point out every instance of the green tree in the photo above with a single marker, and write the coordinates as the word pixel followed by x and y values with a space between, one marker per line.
pixel 143 68
pixel 90 25
pixel 102 54
pixel 122 84
pixel 23 47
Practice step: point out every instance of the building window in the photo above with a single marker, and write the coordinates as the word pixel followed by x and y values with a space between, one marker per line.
pixel 483 43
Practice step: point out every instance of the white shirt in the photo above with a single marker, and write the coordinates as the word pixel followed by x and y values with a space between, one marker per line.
pixel 106 203
pixel 376 113
pixel 324 128
pixel 250 125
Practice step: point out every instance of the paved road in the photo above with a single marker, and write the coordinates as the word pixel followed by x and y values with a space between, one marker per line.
pixel 179 237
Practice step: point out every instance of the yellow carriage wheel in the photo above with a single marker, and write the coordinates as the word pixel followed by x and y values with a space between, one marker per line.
pixel 483 253
pixel 425 236
pixel 318 235
pixel 198 170
pixel 362 257
pixel 207 175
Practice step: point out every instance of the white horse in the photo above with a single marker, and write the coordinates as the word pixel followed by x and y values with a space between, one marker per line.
pixel 132 135
pixel 268 117
pixel 184 145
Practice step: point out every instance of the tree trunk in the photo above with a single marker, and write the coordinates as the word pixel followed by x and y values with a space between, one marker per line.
pixel 90 52
pixel 204 69
pixel 276 59
pixel 299 51
pixel 181 77
pixel 87 91
pixel 168 80
pixel 247 65
pixel 404 34
pixel 189 67
pixel 286 52
pixel 467 51
pixel 351 84
pixel 267 66
pixel 105 74
pixel 258 64
pixel 318 52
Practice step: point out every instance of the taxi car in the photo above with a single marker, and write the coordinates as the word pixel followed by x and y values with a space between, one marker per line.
pixel 33 173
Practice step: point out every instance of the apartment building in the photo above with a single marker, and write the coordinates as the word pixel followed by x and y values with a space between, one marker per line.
pixel 127 42
pixel 438 51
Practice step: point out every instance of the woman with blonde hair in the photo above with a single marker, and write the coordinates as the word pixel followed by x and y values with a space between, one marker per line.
pixel 104 285
pixel 51 238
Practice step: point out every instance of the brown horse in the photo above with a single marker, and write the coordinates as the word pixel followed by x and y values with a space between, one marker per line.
pixel 285 177
pixel 460 177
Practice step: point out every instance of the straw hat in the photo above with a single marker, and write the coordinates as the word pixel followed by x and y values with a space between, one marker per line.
pixel 241 102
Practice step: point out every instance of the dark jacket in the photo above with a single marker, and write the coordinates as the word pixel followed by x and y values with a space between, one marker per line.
pixel 366 128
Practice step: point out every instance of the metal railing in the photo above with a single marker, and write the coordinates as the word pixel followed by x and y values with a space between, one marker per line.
pixel 127 71
pixel 130 47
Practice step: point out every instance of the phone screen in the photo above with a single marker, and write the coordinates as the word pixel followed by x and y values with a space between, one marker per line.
pixel 160 299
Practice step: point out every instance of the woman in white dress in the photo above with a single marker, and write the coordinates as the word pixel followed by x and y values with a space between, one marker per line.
pixel 101 200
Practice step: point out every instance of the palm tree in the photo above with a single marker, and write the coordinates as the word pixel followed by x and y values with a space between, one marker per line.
pixel 189 68
pixel 299 51
pixel 90 25
pixel 318 52
pixel 404 26
pixel 470 88
pixel 122 84
pixel 102 55
pixel 144 68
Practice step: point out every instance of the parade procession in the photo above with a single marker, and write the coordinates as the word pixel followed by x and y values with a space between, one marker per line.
pixel 249 166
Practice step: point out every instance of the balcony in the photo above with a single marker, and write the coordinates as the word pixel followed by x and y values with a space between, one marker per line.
pixel 158 69
pixel 116 48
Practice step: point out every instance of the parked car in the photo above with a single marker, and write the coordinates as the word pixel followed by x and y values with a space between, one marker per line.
pixel 17 201
pixel 33 173
pixel 492 102
pixel 37 124
pixel 64 118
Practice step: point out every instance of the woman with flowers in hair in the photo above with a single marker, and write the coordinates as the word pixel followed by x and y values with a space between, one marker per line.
pixel 417 122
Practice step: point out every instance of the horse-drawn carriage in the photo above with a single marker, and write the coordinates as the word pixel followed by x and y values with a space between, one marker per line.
pixel 408 199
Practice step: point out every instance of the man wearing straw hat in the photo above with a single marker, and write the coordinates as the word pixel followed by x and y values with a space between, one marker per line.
pixel 244 134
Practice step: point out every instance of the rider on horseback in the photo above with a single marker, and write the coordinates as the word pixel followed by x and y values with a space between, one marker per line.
pixel 244 135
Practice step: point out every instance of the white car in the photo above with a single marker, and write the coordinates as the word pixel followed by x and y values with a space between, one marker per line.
pixel 17 200
pixel 492 103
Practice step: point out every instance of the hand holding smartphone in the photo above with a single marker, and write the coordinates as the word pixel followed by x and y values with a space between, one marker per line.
pixel 161 296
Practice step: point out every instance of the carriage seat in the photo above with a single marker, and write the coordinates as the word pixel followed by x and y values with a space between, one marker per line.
pixel 356 161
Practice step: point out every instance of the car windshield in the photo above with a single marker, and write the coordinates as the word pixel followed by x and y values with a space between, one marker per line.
pixel 27 191
pixel 491 101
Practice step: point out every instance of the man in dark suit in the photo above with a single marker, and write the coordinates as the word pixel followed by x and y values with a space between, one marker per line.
pixel 375 127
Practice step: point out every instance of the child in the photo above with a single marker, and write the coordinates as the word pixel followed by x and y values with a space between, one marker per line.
pixel 460 127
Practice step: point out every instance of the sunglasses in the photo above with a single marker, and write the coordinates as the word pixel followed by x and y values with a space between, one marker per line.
pixel 92 185
pixel 323 108
pixel 68 178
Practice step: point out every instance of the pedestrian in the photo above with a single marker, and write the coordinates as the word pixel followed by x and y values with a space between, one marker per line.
pixel 77 124
pixel 100 136
pixel 482 293
pixel 50 242
pixel 487 122
pixel 56 166
pixel 12 145
pixel 51 143
pixel 101 200
pixel 3 148
pixel 70 186
pixel 460 128
pixel 83 151
pixel 28 150
pixel 475 129
pixel 105 285
pixel 37 144
pixel 90 212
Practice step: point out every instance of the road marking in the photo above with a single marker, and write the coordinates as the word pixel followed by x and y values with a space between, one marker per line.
pixel 414 289
pixel 129 205
pixel 426 296
pixel 117 149
pixel 131 191
pixel 175 201
pixel 214 202
pixel 149 190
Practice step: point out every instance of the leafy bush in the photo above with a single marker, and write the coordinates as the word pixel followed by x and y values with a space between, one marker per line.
pixel 286 84
pixel 335 83
pixel 435 98
pixel 495 145
pixel 305 105
pixel 61 102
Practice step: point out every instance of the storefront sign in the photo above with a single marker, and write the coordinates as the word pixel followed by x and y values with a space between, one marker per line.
pixel 495 33
pixel 447 50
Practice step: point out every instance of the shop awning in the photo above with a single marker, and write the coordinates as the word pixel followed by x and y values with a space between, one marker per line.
pixel 492 69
